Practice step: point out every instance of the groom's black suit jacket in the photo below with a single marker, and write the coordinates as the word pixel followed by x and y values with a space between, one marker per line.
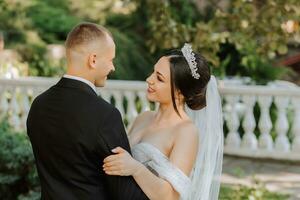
pixel 72 130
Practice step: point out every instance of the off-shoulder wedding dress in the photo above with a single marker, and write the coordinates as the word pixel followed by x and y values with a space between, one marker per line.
pixel 204 181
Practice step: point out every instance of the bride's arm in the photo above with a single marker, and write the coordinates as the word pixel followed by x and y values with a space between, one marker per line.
pixel 154 187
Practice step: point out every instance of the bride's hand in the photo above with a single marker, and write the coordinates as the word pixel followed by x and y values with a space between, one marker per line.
pixel 121 163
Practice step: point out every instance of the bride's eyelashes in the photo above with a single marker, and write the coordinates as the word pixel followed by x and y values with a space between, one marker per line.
pixel 157 75
pixel 159 79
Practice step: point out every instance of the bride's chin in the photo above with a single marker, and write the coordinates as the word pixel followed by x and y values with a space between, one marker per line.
pixel 150 98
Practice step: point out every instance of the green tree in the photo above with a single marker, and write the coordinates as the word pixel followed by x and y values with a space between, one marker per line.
pixel 252 28
pixel 14 21
pixel 51 19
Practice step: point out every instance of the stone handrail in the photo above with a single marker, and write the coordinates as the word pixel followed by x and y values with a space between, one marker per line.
pixel 259 121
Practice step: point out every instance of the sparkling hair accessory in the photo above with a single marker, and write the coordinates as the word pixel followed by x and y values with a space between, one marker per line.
pixel 188 54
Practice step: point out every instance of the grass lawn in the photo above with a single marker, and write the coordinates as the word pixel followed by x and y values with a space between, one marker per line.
pixel 249 193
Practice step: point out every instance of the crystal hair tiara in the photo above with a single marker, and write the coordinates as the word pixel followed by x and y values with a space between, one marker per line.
pixel 188 54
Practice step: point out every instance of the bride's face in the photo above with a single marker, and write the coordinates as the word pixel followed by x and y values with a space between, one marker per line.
pixel 159 87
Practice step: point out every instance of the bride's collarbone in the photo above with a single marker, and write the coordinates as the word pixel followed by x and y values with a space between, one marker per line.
pixel 161 138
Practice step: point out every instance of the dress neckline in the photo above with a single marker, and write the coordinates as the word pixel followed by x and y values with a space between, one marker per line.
pixel 155 148
pixel 157 151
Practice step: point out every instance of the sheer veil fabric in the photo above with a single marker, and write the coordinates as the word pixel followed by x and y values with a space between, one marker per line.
pixel 206 175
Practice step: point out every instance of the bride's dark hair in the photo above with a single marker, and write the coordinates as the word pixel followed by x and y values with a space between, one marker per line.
pixel 193 90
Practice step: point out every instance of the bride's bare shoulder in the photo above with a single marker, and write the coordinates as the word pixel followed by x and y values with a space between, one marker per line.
pixel 185 146
pixel 186 131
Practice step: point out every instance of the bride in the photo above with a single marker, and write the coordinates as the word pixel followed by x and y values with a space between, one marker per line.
pixel 177 151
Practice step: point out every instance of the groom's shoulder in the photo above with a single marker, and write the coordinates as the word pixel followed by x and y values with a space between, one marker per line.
pixel 102 103
pixel 40 97
pixel 105 107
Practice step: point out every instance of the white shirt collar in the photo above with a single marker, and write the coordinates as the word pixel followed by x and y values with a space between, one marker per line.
pixel 89 83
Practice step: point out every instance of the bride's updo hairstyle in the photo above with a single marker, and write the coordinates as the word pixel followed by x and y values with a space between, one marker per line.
pixel 193 90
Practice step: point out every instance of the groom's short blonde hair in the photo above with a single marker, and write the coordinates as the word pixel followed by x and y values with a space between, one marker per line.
pixel 84 34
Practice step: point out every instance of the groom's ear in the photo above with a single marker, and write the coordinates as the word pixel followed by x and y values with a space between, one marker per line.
pixel 92 60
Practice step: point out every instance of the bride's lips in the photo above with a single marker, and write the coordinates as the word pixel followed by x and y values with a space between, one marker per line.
pixel 150 90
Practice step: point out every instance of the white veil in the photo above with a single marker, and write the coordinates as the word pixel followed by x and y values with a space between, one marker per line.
pixel 207 170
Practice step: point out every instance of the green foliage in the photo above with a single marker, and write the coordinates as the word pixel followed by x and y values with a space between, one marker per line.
pixel 52 20
pixel 166 32
pixel 18 176
pixel 242 39
pixel 257 192
pixel 13 19
pixel 253 29
pixel 20 21
pixel 260 69
pixel 91 10
pixel 258 24
pixel 49 20
pixel 34 54
pixel 185 12
pixel 132 61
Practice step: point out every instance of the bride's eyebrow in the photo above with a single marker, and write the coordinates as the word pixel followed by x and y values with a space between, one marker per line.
pixel 160 74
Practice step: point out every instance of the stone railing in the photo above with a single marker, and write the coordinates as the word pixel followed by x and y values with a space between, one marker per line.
pixel 259 121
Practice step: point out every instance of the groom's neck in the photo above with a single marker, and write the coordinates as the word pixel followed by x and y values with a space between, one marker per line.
pixel 81 75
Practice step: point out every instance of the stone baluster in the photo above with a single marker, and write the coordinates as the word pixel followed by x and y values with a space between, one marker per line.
pixel 296 125
pixel 14 118
pixel 144 101
pixel 265 124
pixel 3 103
pixel 249 140
pixel 156 105
pixel 282 143
pixel 119 102
pixel 233 139
pixel 131 108
pixel 106 95
pixel 36 91
pixel 25 106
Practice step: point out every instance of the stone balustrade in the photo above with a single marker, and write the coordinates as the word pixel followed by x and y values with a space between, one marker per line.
pixel 259 121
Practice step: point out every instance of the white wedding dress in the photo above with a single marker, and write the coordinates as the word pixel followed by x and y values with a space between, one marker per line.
pixel 204 181
pixel 159 164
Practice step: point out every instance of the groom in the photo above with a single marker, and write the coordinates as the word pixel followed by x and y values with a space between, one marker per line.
pixel 72 130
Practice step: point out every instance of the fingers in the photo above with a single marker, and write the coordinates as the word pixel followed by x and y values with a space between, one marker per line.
pixel 112 168
pixel 112 163
pixel 108 164
pixel 118 150
pixel 111 158
pixel 115 173
pixel 119 153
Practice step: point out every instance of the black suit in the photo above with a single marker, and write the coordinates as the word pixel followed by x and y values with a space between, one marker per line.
pixel 72 130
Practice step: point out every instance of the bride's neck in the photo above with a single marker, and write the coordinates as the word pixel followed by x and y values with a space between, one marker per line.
pixel 167 113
